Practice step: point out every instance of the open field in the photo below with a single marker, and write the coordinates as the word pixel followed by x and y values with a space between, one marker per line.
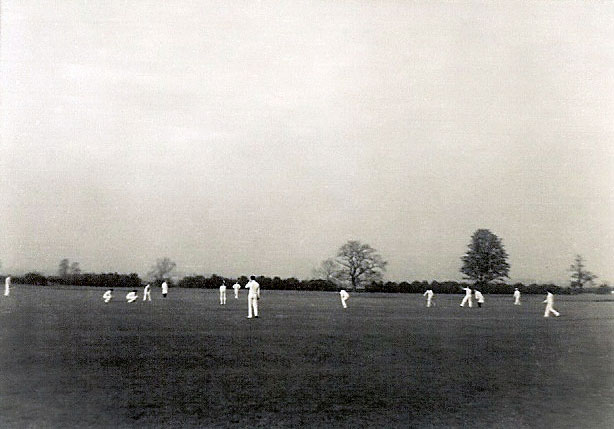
pixel 69 360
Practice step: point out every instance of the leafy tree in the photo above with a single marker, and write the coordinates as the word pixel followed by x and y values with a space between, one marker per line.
pixel 64 268
pixel 161 271
pixel 360 264
pixel 579 275
pixel 486 259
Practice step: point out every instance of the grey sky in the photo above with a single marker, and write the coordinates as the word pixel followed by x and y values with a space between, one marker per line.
pixel 257 137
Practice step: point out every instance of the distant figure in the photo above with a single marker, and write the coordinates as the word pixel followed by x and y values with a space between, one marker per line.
pixel 429 297
pixel 132 296
pixel 223 294
pixel 516 297
pixel 108 295
pixel 147 293
pixel 164 289
pixel 7 286
pixel 344 297
pixel 252 297
pixel 550 306
pixel 479 298
pixel 236 287
pixel 467 297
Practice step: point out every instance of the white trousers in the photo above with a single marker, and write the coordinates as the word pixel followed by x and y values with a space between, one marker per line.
pixel 6 291
pixel 517 301
pixel 428 302
pixel 550 309
pixel 222 297
pixel 106 300
pixel 343 302
pixel 467 298
pixel 252 306
pixel 147 296
pixel 237 294
pixel 132 299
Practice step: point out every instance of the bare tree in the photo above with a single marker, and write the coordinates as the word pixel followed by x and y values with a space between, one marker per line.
pixel 359 263
pixel 328 270
pixel 63 268
pixel 579 275
pixel 162 270
pixel 75 268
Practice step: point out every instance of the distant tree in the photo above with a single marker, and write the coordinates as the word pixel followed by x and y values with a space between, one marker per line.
pixel 63 269
pixel 579 275
pixel 75 269
pixel 328 270
pixel 486 259
pixel 360 264
pixel 162 270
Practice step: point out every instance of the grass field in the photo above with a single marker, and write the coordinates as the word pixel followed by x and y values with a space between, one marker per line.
pixel 69 360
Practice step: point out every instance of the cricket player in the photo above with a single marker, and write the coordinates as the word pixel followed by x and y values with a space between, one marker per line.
pixel 549 306
pixel 236 287
pixel 467 297
pixel 223 294
pixel 479 298
pixel 132 296
pixel 344 297
pixel 108 295
pixel 516 296
pixel 7 286
pixel 147 293
pixel 429 297
pixel 252 297
pixel 164 289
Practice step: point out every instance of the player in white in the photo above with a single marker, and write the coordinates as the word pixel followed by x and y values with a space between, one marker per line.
pixel 252 297
pixel 344 297
pixel 108 295
pixel 7 286
pixel 429 297
pixel 147 293
pixel 164 289
pixel 467 297
pixel 550 306
pixel 132 296
pixel 516 296
pixel 223 294
pixel 236 287
pixel 479 298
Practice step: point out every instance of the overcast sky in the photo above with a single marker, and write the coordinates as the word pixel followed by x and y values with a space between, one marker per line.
pixel 243 137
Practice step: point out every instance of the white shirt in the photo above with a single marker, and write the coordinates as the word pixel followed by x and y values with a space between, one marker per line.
pixel 7 281
pixel 236 286
pixel 164 288
pixel 516 294
pixel 467 291
pixel 549 299
pixel 223 288
pixel 254 288
pixel 479 296
pixel 131 296
pixel 107 295
pixel 146 290
pixel 344 294
pixel 429 293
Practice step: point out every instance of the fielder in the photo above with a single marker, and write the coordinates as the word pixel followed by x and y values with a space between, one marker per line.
pixel 429 297
pixel 132 296
pixel 236 287
pixel 344 297
pixel 479 297
pixel 467 297
pixel 550 306
pixel 164 289
pixel 252 297
pixel 108 295
pixel 147 293
pixel 223 294
pixel 7 286
pixel 516 296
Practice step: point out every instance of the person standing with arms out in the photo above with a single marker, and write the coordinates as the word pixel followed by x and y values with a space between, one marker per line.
pixel 107 296
pixel 236 287
pixel 252 297
pixel 147 293
pixel 479 298
pixel 429 297
pixel 344 297
pixel 164 289
pixel 550 306
pixel 223 294
pixel 467 297
pixel 7 286
pixel 516 296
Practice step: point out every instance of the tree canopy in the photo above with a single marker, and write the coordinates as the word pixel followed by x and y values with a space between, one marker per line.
pixel 486 259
